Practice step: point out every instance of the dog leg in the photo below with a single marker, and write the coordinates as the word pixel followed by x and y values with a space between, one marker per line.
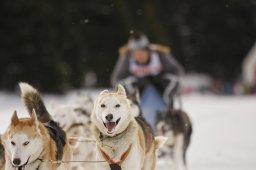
pixel 178 153
pixel 8 166
pixel 166 163
pixel 149 162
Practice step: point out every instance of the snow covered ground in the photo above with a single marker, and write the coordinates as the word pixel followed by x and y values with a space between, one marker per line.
pixel 224 132
pixel 224 136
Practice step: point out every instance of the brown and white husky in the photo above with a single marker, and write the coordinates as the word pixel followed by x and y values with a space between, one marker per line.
pixel 36 142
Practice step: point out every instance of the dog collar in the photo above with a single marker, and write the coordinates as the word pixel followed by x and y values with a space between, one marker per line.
pixel 116 165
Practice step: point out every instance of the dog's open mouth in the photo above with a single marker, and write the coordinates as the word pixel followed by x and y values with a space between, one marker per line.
pixel 111 126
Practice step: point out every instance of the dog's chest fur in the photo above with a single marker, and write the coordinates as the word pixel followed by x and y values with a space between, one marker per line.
pixel 116 146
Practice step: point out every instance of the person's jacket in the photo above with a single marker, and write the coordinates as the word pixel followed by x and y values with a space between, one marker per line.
pixel 169 69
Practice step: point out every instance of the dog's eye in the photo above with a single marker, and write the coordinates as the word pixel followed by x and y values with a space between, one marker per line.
pixel 118 105
pixel 26 143
pixel 103 105
pixel 13 143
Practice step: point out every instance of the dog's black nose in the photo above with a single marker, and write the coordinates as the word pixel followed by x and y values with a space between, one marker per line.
pixel 109 117
pixel 16 161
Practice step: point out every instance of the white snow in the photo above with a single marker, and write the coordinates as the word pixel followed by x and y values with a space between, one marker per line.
pixel 224 128
pixel 224 132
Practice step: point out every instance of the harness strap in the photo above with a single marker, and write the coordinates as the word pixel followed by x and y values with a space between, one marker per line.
pixel 147 132
pixel 150 139
pixel 123 157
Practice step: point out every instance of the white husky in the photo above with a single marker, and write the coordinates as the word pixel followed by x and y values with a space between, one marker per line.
pixel 122 141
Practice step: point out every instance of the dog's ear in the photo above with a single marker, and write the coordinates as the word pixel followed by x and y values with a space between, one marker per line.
pixel 121 90
pixel 15 119
pixel 34 118
pixel 104 92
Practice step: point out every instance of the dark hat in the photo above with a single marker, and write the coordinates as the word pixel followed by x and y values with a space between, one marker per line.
pixel 138 41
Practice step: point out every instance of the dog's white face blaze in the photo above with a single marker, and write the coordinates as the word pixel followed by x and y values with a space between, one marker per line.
pixel 24 148
pixel 115 104
pixel 22 140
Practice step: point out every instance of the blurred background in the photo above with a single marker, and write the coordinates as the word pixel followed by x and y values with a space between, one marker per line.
pixel 62 45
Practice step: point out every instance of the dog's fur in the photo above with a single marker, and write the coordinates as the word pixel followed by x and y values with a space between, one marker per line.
pixel 114 135
pixel 2 155
pixel 32 143
pixel 68 120
pixel 74 118
pixel 134 99
pixel 176 125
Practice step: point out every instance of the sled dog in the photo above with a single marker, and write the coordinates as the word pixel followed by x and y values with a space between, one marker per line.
pixel 36 142
pixel 176 125
pixel 123 142
pixel 74 119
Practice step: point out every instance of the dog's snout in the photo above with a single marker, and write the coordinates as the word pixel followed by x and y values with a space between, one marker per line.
pixel 16 161
pixel 109 117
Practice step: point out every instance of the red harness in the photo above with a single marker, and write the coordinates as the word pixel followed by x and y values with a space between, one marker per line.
pixel 123 157
pixel 150 140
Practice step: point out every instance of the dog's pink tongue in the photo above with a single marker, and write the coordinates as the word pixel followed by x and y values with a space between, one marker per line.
pixel 111 125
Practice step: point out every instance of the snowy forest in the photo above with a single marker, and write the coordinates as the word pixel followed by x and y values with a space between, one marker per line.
pixel 54 44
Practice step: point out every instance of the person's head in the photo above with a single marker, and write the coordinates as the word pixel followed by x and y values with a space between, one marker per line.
pixel 138 45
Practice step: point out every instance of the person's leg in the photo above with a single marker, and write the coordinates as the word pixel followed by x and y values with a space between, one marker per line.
pixel 151 104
